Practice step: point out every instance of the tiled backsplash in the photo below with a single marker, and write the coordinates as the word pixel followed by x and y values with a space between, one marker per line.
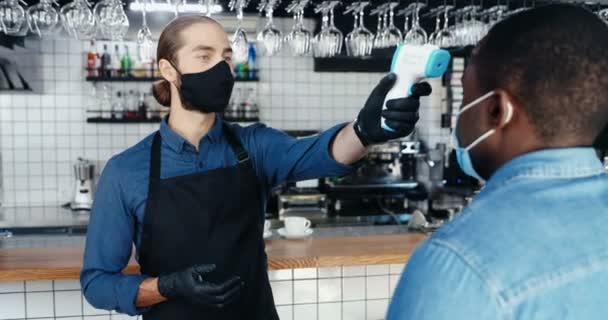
pixel 44 132
pixel 342 293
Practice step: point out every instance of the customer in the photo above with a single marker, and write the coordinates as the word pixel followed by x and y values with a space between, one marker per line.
pixel 534 243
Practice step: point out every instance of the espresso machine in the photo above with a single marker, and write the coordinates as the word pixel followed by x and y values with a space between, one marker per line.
pixel 384 184
pixel 84 172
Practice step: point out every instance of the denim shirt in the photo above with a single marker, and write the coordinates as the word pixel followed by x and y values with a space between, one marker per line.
pixel 533 244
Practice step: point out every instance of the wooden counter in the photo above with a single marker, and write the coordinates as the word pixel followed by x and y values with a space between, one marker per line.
pixel 65 263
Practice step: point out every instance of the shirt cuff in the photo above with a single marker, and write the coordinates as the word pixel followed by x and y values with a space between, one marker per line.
pixel 327 137
pixel 129 287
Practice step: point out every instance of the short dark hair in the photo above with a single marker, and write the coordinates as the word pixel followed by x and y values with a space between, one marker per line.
pixel 554 60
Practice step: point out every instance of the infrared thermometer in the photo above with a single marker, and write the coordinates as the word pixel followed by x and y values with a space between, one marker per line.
pixel 411 64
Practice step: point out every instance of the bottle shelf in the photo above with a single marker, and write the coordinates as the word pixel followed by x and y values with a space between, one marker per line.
pixel 146 79
pixel 155 120
pixel 124 120
pixel 241 120
pixel 130 78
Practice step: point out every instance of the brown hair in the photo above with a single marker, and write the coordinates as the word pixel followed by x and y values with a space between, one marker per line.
pixel 169 43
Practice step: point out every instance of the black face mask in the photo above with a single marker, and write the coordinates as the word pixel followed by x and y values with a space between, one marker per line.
pixel 208 91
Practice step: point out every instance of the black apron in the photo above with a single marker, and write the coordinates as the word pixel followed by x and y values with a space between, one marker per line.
pixel 210 217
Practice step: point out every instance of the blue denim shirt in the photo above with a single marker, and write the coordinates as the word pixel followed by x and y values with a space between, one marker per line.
pixel 533 244
pixel 118 210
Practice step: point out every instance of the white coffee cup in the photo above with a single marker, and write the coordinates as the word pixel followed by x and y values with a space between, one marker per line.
pixel 267 226
pixel 296 225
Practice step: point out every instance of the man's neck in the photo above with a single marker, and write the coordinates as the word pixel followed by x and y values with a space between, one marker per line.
pixel 191 125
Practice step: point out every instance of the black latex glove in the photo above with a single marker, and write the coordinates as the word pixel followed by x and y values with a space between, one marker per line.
pixel 191 284
pixel 401 114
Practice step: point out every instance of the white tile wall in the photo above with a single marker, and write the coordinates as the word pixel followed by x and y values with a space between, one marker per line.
pixel 329 298
pixel 42 133
pixel 40 304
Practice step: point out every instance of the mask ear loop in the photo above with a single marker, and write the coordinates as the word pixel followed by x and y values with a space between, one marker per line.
pixel 509 112
pixel 491 132
pixel 176 70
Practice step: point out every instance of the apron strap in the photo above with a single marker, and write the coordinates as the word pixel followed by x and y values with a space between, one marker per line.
pixel 235 143
pixel 155 158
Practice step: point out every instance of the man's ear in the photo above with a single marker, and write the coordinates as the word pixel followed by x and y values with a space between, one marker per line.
pixel 167 71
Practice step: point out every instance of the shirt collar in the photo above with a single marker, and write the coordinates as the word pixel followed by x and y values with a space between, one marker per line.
pixel 549 163
pixel 177 142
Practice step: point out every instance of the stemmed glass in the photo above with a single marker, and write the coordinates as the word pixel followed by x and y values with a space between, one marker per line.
pixel 496 15
pixel 42 18
pixel 270 38
pixel 175 4
pixel 144 37
pixel 459 27
pixel 393 35
pixel 12 17
pixel 210 4
pixel 475 27
pixel 437 28
pixel 416 35
pixel 360 41
pixel 380 37
pixel 603 14
pixel 445 38
pixel 299 38
pixel 111 19
pixel 328 42
pixel 78 19
pixel 240 45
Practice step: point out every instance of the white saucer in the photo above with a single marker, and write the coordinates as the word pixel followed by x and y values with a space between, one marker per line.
pixel 306 234
pixel 267 234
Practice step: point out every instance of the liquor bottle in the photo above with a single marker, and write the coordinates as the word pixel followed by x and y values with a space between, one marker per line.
pixel 106 63
pixel 116 62
pixel 92 60
pixel 126 63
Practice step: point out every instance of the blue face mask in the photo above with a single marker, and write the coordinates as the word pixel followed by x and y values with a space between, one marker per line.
pixel 462 153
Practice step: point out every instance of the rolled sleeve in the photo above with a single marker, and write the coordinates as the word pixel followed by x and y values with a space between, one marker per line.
pixel 108 249
pixel 282 158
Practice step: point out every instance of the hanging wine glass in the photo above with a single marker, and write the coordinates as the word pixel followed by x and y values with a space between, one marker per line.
pixel 78 19
pixel 334 34
pixel 360 42
pixel 270 38
pixel 12 17
pixel 240 45
pixel 406 13
pixel 144 38
pixel 120 27
pixel 328 42
pixel 445 38
pixel 379 38
pixel 102 12
pixel 209 7
pixel 42 18
pixel 435 33
pixel 393 35
pixel 416 35
pixel 299 39
pixel 602 14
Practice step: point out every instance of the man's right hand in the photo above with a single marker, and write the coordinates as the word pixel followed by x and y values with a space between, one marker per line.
pixel 191 284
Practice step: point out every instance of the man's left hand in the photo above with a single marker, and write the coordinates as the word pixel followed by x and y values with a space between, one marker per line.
pixel 400 115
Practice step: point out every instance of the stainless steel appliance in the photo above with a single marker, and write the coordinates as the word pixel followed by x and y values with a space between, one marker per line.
pixel 84 172
pixel 384 184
